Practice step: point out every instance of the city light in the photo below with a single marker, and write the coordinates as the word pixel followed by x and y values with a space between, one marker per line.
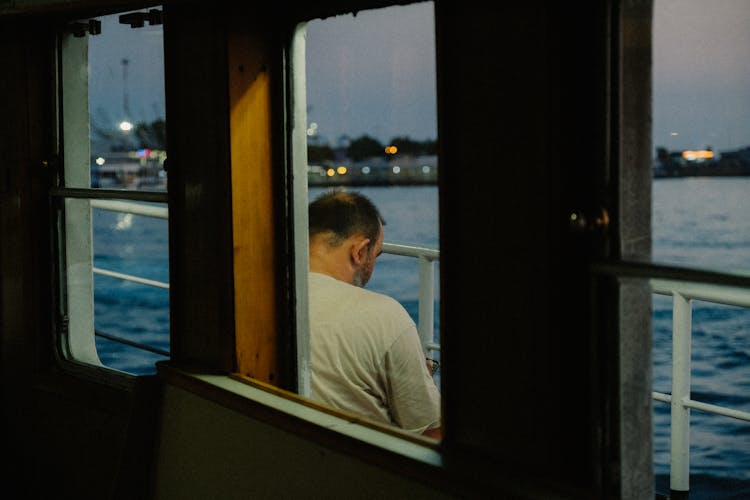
pixel 698 155
pixel 126 126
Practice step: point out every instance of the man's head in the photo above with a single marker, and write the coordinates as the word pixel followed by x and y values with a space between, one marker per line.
pixel 349 227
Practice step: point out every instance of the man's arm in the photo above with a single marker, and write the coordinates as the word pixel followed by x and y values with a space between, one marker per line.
pixel 436 433
pixel 413 397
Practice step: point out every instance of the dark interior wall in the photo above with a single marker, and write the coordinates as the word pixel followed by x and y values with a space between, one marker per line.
pixel 51 416
pixel 523 126
pixel 196 84
pixel 25 102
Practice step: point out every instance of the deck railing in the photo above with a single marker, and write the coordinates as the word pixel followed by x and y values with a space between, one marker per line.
pixel 683 294
pixel 426 256
pixel 134 208
pixel 426 319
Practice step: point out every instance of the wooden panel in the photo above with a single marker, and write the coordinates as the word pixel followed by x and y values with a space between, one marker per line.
pixel 252 207
pixel 200 229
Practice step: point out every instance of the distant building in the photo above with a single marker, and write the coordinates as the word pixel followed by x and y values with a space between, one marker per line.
pixel 402 169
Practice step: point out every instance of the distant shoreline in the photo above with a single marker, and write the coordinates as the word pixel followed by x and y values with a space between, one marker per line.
pixel 369 182
pixel 703 171
pixel 420 172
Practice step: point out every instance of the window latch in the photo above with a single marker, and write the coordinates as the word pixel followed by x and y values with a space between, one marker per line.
pixel 139 19
pixel 79 29
pixel 588 220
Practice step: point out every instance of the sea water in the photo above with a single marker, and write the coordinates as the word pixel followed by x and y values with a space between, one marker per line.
pixel 704 222
pixel 697 221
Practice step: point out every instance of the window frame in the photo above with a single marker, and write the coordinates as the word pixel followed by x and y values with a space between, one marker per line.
pixel 603 462
pixel 75 334
pixel 238 56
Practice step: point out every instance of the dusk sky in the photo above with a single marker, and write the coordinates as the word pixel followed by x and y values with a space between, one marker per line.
pixel 374 73
pixel 144 50
pixel 701 74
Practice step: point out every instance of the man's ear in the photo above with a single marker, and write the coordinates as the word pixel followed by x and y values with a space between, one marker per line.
pixel 359 250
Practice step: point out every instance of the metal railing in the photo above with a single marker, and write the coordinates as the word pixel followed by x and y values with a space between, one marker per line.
pixel 135 209
pixel 426 319
pixel 426 256
pixel 683 294
pixel 145 210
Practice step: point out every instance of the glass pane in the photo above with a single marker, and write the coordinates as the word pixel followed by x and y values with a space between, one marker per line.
pixel 127 110
pixel 701 202
pixel 371 109
pixel 372 128
pixel 117 283
pixel 116 252
pixel 131 285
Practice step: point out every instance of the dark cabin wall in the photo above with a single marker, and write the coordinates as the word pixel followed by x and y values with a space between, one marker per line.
pixel 25 308
pixel 544 109
pixel 523 128
pixel 63 436
pixel 524 104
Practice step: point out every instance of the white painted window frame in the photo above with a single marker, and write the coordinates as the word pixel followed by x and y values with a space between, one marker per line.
pixel 79 282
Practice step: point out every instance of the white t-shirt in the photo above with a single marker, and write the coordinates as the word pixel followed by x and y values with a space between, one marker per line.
pixel 367 358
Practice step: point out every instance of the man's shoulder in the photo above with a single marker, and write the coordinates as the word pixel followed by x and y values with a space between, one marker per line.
pixel 366 300
pixel 380 299
pixel 384 308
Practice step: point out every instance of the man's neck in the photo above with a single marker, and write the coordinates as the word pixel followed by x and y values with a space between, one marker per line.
pixel 331 262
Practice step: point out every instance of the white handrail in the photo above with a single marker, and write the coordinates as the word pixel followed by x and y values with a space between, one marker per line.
pixel 132 208
pixel 426 314
pixel 719 294
pixel 130 277
pixel 683 294
pixel 411 251
pixel 135 208
pixel 427 257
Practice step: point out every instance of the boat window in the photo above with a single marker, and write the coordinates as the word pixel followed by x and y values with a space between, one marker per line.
pixel 111 193
pixel 365 121
pixel 701 167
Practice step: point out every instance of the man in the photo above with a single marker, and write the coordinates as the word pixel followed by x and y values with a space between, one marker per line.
pixel 366 354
